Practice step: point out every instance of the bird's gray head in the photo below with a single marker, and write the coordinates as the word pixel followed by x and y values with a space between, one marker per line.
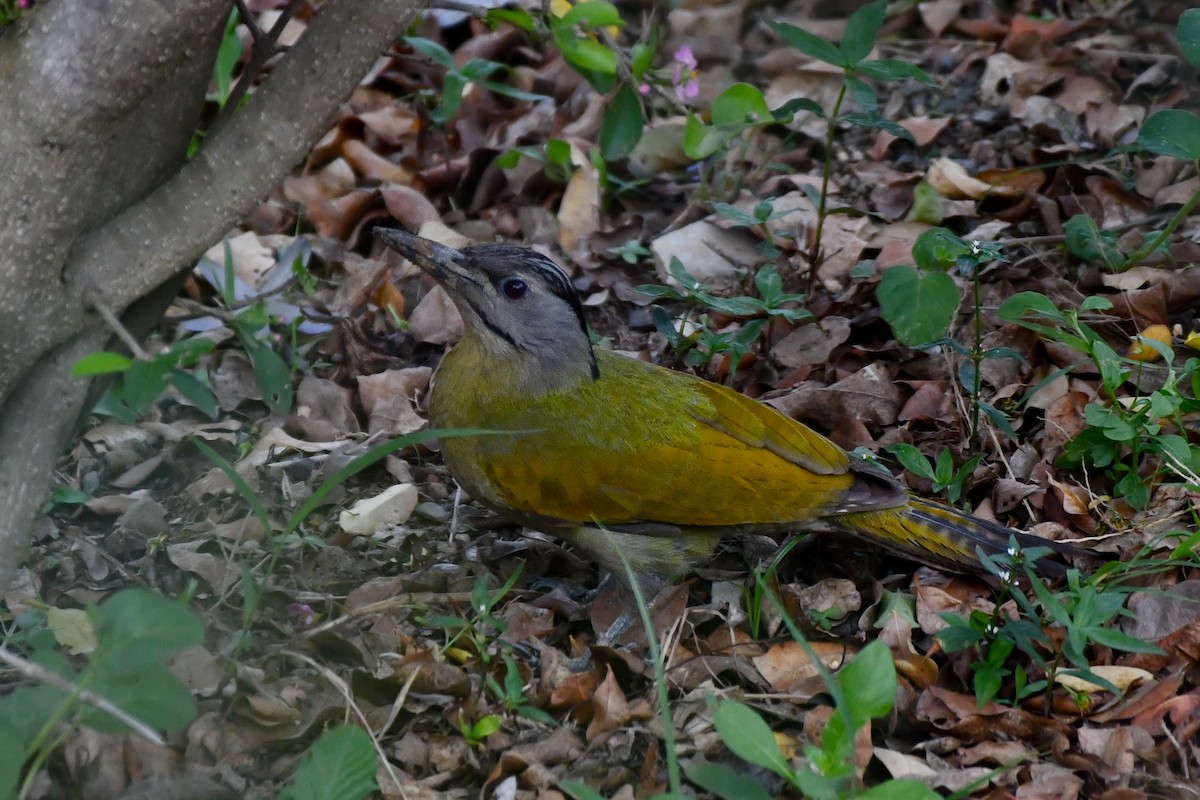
pixel 514 301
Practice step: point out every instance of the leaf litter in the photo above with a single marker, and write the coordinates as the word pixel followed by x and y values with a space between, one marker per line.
pixel 1012 145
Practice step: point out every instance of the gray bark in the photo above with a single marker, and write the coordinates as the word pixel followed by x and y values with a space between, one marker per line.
pixel 97 205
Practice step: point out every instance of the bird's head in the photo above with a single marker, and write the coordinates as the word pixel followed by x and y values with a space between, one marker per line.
pixel 516 304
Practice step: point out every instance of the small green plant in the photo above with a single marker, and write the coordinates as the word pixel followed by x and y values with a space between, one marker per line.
pixel 693 340
pixel 857 73
pixel 478 71
pixel 340 765
pixel 140 382
pixel 864 689
pixel 1171 132
pixel 941 472
pixel 1136 440
pixel 1083 611
pixel 124 642
pixel 919 302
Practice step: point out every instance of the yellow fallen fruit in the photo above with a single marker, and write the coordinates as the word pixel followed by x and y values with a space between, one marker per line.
pixel 1193 340
pixel 1140 351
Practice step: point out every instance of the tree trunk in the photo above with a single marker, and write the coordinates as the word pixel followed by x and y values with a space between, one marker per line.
pixel 99 206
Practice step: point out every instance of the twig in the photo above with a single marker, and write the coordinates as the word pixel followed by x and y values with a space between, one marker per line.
pixel 406 599
pixel 120 330
pixel 42 675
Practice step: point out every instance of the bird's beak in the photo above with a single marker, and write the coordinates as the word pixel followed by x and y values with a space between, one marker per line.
pixel 444 263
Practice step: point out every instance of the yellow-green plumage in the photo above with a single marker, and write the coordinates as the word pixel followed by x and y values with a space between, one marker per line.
pixel 621 457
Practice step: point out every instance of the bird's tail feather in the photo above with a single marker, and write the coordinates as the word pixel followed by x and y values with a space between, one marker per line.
pixel 941 536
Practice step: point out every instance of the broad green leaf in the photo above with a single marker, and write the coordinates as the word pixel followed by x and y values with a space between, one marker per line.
pixel 740 106
pixel 699 140
pixel 101 362
pixel 513 16
pixel 938 249
pixel 587 55
pixel 1188 33
pixel 809 44
pixel 142 627
pixel 745 733
pixel 899 789
pixel 726 783
pixel 593 14
pixel 919 306
pixel 339 766
pixel 1171 132
pixel 861 29
pixel 870 683
pixel 147 691
pixel 144 381
pixel 623 123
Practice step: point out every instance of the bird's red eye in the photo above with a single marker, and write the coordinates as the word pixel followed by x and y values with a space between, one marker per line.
pixel 514 288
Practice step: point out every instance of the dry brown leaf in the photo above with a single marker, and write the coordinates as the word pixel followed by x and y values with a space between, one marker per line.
pixel 786 666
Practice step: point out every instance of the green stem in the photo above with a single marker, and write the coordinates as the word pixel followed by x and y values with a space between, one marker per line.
pixel 1139 255
pixel 976 357
pixel 814 254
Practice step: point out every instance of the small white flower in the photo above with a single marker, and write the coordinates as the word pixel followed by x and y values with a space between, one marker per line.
pixel 1004 575
pixel 976 247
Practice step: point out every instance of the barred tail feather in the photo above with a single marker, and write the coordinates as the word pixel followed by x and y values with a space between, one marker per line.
pixel 939 535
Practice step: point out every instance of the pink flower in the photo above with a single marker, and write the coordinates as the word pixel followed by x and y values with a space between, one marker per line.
pixel 683 78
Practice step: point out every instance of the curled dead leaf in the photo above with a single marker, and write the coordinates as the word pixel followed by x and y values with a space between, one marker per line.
pixel 1121 677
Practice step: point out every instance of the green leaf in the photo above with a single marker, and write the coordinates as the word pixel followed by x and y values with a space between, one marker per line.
pixel 196 392
pixel 788 110
pixel 271 375
pixel 870 683
pixel 143 627
pixel 587 55
pixel 339 766
pixel 1188 33
pixel 580 791
pixel 899 789
pixel 864 97
pixel 911 459
pixel 745 733
pixel 592 14
pixel 228 56
pixel 1029 304
pixel 144 381
pixel 892 70
pixel 725 782
pixel 918 306
pixel 1171 132
pixel 938 249
pixel 699 140
pixel 861 29
pixel 623 123
pixel 1085 239
pixel 809 44
pixel 101 362
pixel 432 50
pixel 740 106
pixel 641 58
pixel 147 691
pixel 513 16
